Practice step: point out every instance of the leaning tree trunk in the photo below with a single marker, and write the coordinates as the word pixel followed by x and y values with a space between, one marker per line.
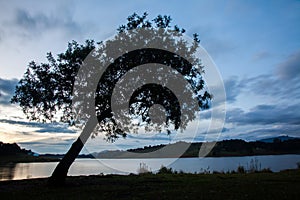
pixel 60 172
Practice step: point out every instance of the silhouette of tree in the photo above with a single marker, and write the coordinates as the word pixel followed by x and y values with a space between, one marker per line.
pixel 50 89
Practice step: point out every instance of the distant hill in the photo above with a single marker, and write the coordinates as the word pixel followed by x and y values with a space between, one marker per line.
pixel 279 138
pixel 7 149
pixel 221 149
pixel 13 153
pixel 225 148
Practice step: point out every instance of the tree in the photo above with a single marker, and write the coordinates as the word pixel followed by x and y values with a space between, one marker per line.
pixel 50 89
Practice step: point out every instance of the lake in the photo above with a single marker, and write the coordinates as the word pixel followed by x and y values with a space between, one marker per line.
pixel 127 166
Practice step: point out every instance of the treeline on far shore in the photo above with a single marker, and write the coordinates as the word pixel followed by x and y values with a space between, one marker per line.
pixel 13 153
pixel 223 148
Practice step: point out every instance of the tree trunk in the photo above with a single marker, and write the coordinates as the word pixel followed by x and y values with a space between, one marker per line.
pixel 60 172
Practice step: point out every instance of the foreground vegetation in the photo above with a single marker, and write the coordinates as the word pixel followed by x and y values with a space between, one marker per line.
pixel 282 185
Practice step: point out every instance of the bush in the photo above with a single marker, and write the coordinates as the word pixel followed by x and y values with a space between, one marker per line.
pixel 165 170
pixel 255 165
pixel 266 170
pixel 241 170
pixel 144 169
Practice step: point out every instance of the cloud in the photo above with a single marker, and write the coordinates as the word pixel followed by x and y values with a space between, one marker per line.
pixel 225 129
pixel 266 115
pixel 54 127
pixel 283 86
pixel 158 137
pixel 49 142
pixel 39 22
pixel 272 131
pixel 280 89
pixel 290 68
pixel 7 88
pixel 233 88
pixel 252 133
pixel 49 145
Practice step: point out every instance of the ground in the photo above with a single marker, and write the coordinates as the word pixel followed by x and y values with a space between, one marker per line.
pixel 282 185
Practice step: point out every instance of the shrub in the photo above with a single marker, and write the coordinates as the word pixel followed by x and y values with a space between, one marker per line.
pixel 165 170
pixel 144 169
pixel 266 170
pixel 241 169
pixel 205 171
pixel 255 165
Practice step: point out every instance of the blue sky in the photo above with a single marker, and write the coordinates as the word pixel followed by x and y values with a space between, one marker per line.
pixel 255 45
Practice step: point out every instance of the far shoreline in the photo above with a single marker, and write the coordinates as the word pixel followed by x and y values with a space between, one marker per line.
pixel 40 159
pixel 12 153
pixel 25 159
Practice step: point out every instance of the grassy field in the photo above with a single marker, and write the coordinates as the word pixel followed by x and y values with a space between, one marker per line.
pixel 282 185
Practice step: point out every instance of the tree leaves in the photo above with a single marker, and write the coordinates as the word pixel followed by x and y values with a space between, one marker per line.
pixel 46 90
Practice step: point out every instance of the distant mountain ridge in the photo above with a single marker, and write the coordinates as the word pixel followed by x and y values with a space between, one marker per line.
pixel 225 148
pixel 234 147
pixel 12 149
pixel 13 153
pixel 279 138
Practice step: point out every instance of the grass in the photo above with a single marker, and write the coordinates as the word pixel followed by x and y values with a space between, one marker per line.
pixel 282 185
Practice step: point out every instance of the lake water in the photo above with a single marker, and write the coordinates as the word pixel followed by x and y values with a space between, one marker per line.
pixel 126 166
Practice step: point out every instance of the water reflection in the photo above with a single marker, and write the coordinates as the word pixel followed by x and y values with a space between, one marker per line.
pixel 7 171
pixel 126 166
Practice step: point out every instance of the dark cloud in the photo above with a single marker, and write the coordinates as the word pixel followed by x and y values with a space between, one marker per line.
pixel 42 142
pixel 233 87
pixel 267 132
pixel 161 137
pixel 290 68
pixel 54 127
pixel 279 89
pixel 22 123
pixel 266 115
pixel 47 147
pixel 7 88
pixel 225 130
pixel 23 19
pixel 252 132
pixel 39 22
pixel 283 86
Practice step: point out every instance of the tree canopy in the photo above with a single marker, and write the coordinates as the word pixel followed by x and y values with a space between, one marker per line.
pixel 46 90
pixel 148 75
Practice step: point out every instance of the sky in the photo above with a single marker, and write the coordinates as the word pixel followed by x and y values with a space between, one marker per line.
pixel 254 44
